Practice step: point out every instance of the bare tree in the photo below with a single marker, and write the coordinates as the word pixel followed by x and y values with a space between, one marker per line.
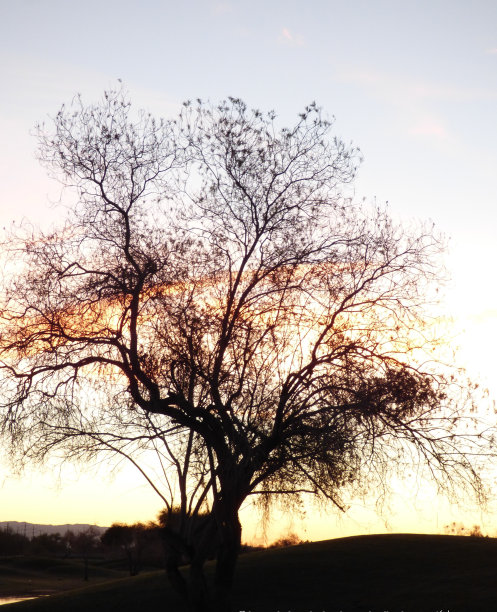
pixel 215 296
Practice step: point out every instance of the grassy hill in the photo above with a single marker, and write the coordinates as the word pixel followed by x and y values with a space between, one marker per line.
pixel 31 576
pixel 394 573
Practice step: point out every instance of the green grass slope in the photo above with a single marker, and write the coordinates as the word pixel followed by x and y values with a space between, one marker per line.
pixel 38 575
pixel 394 573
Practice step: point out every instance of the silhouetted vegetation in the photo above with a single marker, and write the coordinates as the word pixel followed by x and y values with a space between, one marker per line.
pixel 215 297
pixel 140 543
pixel 82 544
pixel 42 545
pixel 13 543
pixel 459 529
pixel 48 545
pixel 291 539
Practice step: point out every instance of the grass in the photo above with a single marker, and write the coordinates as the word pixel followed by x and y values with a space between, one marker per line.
pixel 394 573
pixel 30 576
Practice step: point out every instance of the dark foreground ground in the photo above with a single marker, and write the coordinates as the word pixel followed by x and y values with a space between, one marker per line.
pixel 32 576
pixel 392 573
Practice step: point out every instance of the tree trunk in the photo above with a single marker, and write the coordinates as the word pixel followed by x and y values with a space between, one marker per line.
pixel 199 597
pixel 231 535
pixel 175 577
pixel 221 536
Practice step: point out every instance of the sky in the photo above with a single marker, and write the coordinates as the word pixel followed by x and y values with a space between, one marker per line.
pixel 412 84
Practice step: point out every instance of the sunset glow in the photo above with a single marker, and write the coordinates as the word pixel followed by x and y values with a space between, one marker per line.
pixel 413 86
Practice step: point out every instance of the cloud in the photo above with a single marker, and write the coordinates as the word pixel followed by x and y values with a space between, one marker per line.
pixel 221 8
pixel 289 38
pixel 408 90
pixel 492 51
pixel 420 105
pixel 431 127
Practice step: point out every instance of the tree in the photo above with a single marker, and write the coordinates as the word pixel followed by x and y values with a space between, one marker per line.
pixel 123 537
pixel 216 297
pixel 133 540
pixel 12 543
pixel 83 544
pixel 48 544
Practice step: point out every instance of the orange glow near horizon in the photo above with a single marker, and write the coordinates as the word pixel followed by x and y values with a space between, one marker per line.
pixel 128 499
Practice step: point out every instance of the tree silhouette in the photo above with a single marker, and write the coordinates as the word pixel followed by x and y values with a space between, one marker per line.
pixel 217 298
pixel 83 544
pixel 133 540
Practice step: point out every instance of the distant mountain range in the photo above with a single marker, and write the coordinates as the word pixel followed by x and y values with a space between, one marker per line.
pixel 33 529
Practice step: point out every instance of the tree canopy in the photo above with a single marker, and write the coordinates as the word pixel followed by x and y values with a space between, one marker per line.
pixel 216 296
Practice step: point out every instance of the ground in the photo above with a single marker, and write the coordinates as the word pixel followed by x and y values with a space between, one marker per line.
pixel 393 573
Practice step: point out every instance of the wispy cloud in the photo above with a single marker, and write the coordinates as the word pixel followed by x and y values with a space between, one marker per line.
pixel 221 8
pixel 401 88
pixel 418 103
pixel 432 127
pixel 289 38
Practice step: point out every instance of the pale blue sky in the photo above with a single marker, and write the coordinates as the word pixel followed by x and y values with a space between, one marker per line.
pixel 413 84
